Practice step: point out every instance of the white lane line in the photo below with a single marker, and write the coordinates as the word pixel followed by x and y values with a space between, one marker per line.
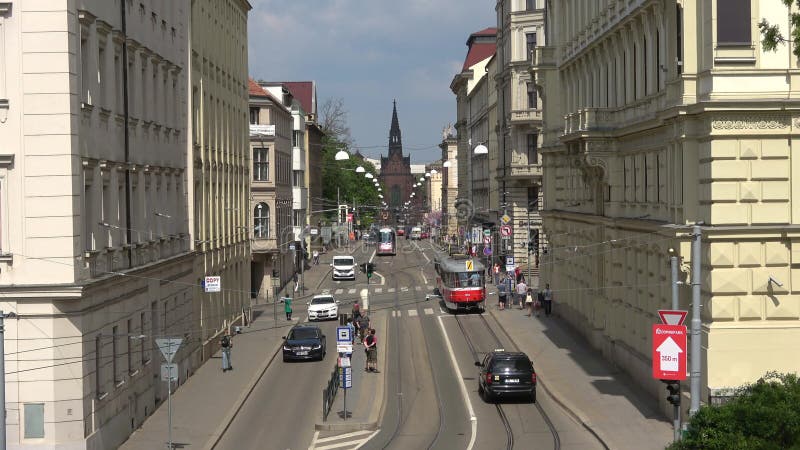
pixel 338 291
pixel 378 290
pixel 422 272
pixel 314 440
pixel 426 257
pixel 373 255
pixel 390 290
pixel 352 291
pixel 404 289
pixel 472 418
pixel 368 439
pixel 383 279
pixel 343 436
pixel 412 313
pixel 429 311
pixel 339 445
pixel 394 313
pixel 418 288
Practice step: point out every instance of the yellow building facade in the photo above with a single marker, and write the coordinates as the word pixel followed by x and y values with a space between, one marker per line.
pixel 661 114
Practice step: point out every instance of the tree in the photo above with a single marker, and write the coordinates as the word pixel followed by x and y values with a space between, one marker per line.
pixel 772 35
pixel 333 121
pixel 762 415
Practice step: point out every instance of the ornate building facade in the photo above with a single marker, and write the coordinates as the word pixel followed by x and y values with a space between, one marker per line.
pixel 648 130
pixel 395 175
pixel 449 147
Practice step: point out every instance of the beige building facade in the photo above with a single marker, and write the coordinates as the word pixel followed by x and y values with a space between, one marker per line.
pixel 97 248
pixel 433 191
pixel 270 192
pixel 649 129
pixel 449 147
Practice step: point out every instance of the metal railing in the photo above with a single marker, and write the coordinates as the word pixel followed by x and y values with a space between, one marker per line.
pixel 329 393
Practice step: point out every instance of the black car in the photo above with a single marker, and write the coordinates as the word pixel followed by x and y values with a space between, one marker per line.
pixel 506 374
pixel 304 342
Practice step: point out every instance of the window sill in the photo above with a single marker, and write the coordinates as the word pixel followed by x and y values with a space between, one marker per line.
pixel 102 395
pixel 7 258
pixel 133 374
pixel 118 384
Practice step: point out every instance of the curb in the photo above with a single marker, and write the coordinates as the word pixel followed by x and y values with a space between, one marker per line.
pixel 557 397
pixel 226 422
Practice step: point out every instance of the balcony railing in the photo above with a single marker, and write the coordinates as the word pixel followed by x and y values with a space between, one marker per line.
pixel 261 245
pixel 520 166
pixel 605 119
pixel 262 130
pixel 526 115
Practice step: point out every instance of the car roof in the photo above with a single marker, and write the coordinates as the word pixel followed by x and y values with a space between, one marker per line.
pixel 502 354
pixel 305 327
pixel 322 296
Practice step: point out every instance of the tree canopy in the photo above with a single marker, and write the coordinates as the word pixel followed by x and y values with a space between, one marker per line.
pixel 763 415
pixel 772 36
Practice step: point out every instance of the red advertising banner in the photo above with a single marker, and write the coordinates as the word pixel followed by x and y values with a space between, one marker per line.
pixel 669 352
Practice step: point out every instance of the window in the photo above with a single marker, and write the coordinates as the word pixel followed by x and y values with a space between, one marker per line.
pixel 261 217
pixel 141 340
pixel 298 180
pixel 128 352
pixel 532 96
pixel 115 354
pixel 530 44
pixel 297 139
pixel 733 22
pixel 533 198
pixel 98 366
pixel 86 96
pixel 532 147
pixel 530 5
pixel 261 164
pixel 254 116
pixel 34 420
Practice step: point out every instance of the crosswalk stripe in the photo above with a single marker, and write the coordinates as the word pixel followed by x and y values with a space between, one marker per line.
pixel 352 291
pixel 428 311
pixel 342 444
pixel 412 313
pixel 390 290
pixel 344 436
pixel 338 291
pixel 418 288
pixel 403 289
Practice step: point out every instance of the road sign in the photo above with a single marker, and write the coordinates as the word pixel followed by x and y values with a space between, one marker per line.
pixel 168 347
pixel 505 231
pixel 291 247
pixel 510 266
pixel 169 372
pixel 505 219
pixel 487 240
pixel 469 265
pixel 487 232
pixel 669 352
pixel 344 361
pixel 487 251
pixel 672 316
pixel 343 335
pixel 313 231
pixel 346 381
pixel 213 284
pixel 385 215
pixel 344 348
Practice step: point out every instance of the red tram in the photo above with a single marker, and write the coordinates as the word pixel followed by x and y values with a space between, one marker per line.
pixel 460 281
pixel 386 243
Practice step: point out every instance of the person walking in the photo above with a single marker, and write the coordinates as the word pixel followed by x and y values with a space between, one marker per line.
pixel 547 294
pixel 316 257
pixel 530 304
pixel 502 294
pixel 370 346
pixel 226 342
pixel 522 291
pixel 287 307
pixel 496 271
pixel 363 325
pixel 352 328
pixel 356 312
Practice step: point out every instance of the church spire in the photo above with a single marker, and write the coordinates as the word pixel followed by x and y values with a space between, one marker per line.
pixel 395 141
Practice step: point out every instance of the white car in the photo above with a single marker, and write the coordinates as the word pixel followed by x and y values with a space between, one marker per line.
pixel 323 307
pixel 344 268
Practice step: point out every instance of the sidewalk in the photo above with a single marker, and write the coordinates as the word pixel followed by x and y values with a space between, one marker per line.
pixel 252 353
pixel 600 396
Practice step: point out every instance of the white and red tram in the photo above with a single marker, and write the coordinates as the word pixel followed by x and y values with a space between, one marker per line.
pixel 461 282
pixel 387 242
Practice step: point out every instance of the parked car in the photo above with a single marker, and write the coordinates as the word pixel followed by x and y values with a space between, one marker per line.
pixel 424 235
pixel 304 342
pixel 344 268
pixel 506 374
pixel 323 307
pixel 416 233
pixel 401 231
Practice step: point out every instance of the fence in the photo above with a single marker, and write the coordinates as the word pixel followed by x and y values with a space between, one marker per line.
pixel 329 393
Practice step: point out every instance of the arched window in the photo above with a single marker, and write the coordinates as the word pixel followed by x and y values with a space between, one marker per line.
pixel 261 218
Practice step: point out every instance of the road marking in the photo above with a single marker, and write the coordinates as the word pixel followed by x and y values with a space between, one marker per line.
pixel 368 439
pixel 373 255
pixel 418 288
pixel 390 290
pixel 314 440
pixel 472 418
pixel 378 290
pixel 422 272
pixel 383 279
pixel 412 313
pixel 338 291
pixel 395 313
pixel 352 291
pixel 429 311
pixel 404 289
pixel 344 436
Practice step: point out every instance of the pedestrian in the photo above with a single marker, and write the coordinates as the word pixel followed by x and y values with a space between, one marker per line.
pixel 356 313
pixel 370 346
pixel 522 291
pixel 316 257
pixel 226 342
pixel 496 270
pixel 547 294
pixel 363 325
pixel 352 329
pixel 502 292
pixel 517 273
pixel 287 307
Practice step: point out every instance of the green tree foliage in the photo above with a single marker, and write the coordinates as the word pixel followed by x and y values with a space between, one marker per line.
pixel 340 179
pixel 763 415
pixel 772 36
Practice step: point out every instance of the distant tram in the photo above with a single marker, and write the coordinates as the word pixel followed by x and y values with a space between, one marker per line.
pixel 386 243
pixel 461 283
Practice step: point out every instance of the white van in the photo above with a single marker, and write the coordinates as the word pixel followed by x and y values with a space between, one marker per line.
pixel 344 268
pixel 416 233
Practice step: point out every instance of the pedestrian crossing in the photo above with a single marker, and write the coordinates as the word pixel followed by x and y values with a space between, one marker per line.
pixel 379 290
pixel 351 440
pixel 413 312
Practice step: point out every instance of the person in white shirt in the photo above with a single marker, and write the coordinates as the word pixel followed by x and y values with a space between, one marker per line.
pixel 522 291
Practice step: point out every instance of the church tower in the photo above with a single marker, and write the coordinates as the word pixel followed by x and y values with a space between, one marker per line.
pixel 395 139
pixel 395 173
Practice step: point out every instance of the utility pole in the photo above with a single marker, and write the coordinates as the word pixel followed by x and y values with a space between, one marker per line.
pixel 530 280
pixel 676 408
pixel 694 352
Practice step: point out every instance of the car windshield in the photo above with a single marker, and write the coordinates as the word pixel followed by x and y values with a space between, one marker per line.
pixel 303 333
pixel 516 364
pixel 322 300
pixel 342 261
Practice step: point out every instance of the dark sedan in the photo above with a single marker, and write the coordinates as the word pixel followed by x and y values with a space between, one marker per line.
pixel 505 374
pixel 304 342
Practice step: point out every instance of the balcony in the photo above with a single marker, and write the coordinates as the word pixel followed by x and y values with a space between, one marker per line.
pixel 264 245
pixel 519 167
pixel 526 116
pixel 299 198
pixel 298 158
pixel 590 120
pixel 262 130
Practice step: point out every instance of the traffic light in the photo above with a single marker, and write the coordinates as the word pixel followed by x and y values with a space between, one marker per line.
pixel 370 269
pixel 674 392
pixel 533 241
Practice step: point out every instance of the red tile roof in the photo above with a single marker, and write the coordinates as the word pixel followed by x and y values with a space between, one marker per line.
pixel 486 32
pixel 304 92
pixel 255 90
pixel 477 53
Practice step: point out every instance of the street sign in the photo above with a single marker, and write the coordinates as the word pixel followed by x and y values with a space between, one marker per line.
pixel 169 372
pixel 168 347
pixel 505 231
pixel 291 247
pixel 672 316
pixel 487 251
pixel 469 265
pixel 344 348
pixel 346 381
pixel 344 361
pixel 487 240
pixel 343 335
pixel 510 266
pixel 669 352
pixel 385 215
pixel 505 219
pixel 487 232
pixel 314 231
pixel 213 284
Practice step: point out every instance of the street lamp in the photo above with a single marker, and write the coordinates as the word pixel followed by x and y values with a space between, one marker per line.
pixel 369 175
pixel 342 155
pixel 360 169
pixel 447 163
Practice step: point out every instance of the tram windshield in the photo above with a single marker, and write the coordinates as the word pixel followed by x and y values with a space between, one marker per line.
pixel 386 236
pixel 464 279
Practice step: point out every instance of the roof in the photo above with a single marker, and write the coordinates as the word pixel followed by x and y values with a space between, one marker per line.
pixel 304 92
pixel 482 44
pixel 456 263
pixel 255 90
pixel 491 31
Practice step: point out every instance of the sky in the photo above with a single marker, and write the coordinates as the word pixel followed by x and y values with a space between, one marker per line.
pixel 368 53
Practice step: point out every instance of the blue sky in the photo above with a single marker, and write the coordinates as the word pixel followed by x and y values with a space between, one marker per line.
pixel 369 52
